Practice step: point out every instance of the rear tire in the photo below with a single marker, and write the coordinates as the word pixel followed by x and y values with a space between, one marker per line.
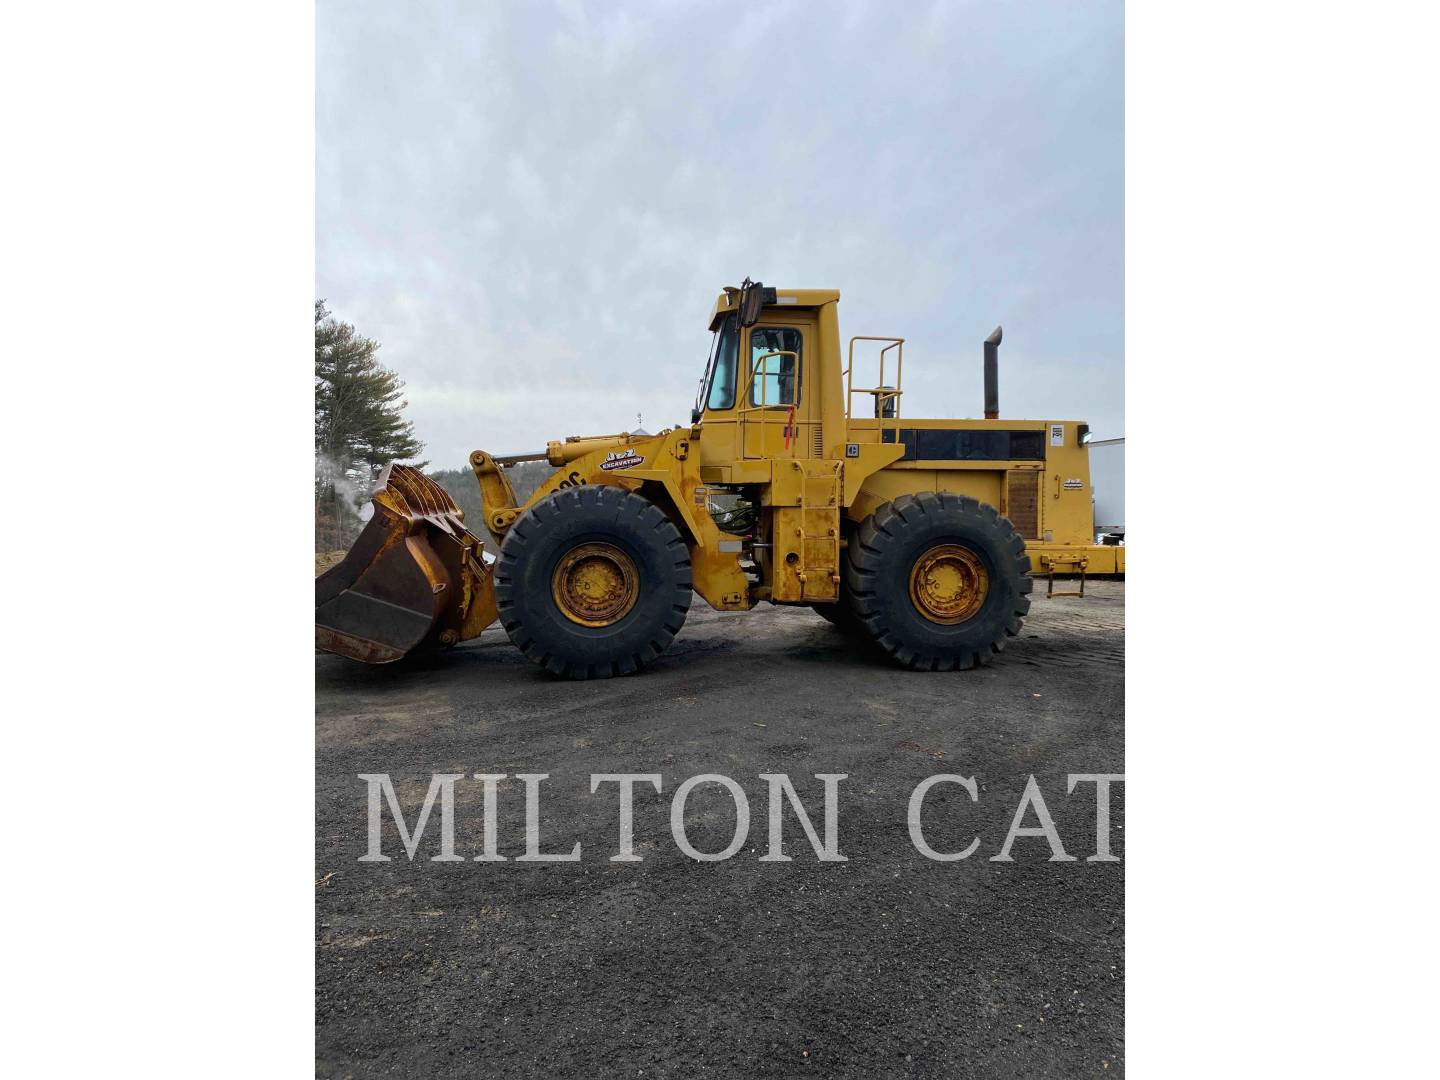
pixel 938 580
pixel 593 581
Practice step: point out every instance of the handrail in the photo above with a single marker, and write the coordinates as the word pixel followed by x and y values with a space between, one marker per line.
pixel 744 406
pixel 881 392
pixel 755 370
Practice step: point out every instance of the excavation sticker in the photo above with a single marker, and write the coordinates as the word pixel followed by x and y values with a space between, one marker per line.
pixel 1074 485
pixel 621 459
pixel 1057 434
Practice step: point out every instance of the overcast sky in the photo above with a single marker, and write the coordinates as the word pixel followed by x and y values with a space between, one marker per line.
pixel 531 206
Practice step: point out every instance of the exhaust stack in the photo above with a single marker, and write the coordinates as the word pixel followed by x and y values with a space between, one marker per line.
pixel 992 365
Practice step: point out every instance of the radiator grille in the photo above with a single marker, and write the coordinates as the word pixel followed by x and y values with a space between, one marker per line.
pixel 817 441
pixel 1022 501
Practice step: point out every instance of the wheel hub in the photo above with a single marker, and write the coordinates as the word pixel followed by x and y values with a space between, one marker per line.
pixel 949 584
pixel 595 584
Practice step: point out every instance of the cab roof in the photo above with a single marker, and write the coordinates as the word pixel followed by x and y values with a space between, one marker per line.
pixel 729 300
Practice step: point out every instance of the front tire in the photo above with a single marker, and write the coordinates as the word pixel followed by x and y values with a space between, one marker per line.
pixel 938 580
pixel 593 581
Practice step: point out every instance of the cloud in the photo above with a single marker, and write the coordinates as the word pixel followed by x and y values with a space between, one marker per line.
pixel 533 206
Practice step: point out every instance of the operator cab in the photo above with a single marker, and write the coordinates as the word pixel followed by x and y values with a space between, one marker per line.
pixel 764 391
pixel 772 377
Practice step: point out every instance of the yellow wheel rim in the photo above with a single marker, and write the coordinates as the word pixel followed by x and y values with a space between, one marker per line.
pixel 949 584
pixel 595 584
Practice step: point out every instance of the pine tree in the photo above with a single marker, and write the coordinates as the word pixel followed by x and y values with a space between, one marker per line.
pixel 358 426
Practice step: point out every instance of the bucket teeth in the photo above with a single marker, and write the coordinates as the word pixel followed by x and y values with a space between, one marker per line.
pixel 409 491
pixel 414 577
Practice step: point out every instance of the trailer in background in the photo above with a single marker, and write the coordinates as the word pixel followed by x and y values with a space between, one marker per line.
pixel 1107 481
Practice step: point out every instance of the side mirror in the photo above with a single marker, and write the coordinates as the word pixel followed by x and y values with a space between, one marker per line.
pixel 753 296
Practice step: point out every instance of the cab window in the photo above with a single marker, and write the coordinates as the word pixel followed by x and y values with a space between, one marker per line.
pixel 778 380
pixel 722 368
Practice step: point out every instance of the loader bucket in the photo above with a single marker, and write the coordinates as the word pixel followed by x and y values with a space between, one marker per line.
pixel 415 577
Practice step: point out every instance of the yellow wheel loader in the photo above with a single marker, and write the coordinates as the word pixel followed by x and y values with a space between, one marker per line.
pixel 918 534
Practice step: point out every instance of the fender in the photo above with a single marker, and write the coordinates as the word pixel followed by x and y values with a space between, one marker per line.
pixel 663 468
pixel 869 459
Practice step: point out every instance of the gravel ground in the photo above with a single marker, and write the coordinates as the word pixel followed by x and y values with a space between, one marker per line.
pixel 888 964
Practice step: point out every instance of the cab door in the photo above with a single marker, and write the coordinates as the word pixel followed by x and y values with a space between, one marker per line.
pixel 776 405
